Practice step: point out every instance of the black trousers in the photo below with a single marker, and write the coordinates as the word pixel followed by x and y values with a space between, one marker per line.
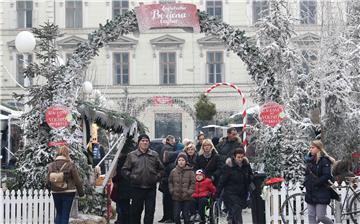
pixel 234 204
pixel 167 207
pixel 200 204
pixel 141 197
pixel 123 211
pixel 184 207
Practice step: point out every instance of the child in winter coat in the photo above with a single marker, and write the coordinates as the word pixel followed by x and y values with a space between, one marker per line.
pixel 203 189
pixel 181 187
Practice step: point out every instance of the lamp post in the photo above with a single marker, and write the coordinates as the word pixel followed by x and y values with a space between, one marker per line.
pixel 87 90
pixel 25 43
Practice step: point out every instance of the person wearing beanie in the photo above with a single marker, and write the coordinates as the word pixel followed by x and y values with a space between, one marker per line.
pixel 203 188
pixel 143 168
pixel 143 136
pixel 181 187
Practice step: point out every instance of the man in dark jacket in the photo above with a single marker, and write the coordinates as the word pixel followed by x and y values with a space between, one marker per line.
pixel 228 144
pixel 144 169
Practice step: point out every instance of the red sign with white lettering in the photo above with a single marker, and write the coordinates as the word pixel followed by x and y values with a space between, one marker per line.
pixel 58 117
pixel 272 114
pixel 162 100
pixel 167 16
pixel 57 144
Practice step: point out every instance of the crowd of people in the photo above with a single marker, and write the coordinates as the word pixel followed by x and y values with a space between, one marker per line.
pixel 188 173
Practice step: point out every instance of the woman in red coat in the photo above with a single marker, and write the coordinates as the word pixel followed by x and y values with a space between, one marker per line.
pixel 204 187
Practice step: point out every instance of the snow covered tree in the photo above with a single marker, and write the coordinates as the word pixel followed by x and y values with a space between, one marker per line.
pixel 333 83
pixel 36 154
pixel 273 39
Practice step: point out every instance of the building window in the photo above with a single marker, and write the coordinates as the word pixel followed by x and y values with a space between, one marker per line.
pixel 215 67
pixel 308 11
pixel 21 63
pixel 24 13
pixel 168 124
pixel 121 68
pixel 309 58
pixel 214 8
pixel 260 9
pixel 168 68
pixel 73 14
pixel 120 7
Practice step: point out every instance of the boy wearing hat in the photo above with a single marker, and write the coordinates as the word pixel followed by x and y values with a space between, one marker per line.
pixel 181 187
pixel 204 187
pixel 144 169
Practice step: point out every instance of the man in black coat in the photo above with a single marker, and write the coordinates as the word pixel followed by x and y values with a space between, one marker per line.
pixel 228 144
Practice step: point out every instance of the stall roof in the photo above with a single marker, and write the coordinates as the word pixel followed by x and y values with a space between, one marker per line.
pixel 11 112
pixel 3 117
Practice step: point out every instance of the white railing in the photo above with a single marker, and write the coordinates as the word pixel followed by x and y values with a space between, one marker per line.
pixel 274 198
pixel 26 206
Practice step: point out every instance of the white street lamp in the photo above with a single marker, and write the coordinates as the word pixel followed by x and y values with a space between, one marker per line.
pixel 87 87
pixel 25 42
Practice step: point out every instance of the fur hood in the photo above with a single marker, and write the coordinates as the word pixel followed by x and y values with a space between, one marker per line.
pixel 230 162
pixel 225 139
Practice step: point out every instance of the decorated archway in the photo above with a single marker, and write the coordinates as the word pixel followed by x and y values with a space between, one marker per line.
pixel 165 100
pixel 64 82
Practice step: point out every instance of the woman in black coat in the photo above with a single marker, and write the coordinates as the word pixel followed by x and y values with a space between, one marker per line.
pixel 168 157
pixel 208 160
pixel 122 193
pixel 235 181
pixel 317 175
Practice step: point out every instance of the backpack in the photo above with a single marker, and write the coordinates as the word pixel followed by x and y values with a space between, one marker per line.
pixel 57 179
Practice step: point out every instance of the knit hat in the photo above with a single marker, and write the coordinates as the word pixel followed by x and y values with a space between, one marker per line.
pixel 182 155
pixel 198 172
pixel 143 136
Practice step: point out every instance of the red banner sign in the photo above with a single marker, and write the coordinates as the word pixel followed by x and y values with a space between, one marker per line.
pixel 162 100
pixel 58 117
pixel 167 16
pixel 272 114
pixel 56 144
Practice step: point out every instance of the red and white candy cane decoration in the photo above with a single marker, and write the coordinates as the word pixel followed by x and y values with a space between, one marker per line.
pixel 243 104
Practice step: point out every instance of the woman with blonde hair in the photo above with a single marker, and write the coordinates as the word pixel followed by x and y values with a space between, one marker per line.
pixel 64 194
pixel 317 175
pixel 191 154
pixel 208 160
